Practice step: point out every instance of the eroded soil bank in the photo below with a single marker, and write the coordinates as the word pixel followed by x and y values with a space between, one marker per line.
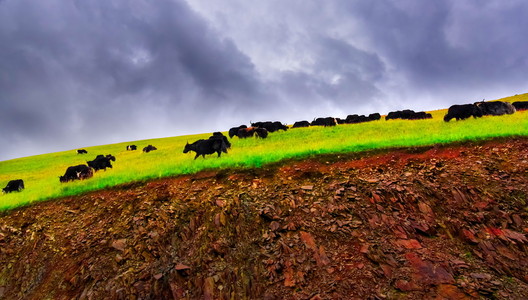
pixel 445 222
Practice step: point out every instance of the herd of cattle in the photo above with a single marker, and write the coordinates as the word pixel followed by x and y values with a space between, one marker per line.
pixel 218 143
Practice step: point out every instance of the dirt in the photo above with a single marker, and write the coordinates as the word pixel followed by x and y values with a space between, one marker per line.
pixel 443 222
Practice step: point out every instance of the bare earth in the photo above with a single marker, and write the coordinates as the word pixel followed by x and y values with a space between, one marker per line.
pixel 447 222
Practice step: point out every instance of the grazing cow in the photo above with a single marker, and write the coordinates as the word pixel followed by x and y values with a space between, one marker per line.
pixel 421 115
pixel 246 132
pixel 495 108
pixel 209 146
pixel 219 135
pixel 328 121
pixel 82 151
pixel 270 126
pixel 405 114
pixel 79 172
pixel 340 121
pixel 131 147
pixel 374 117
pixel 301 124
pixel 149 148
pixel 261 133
pixel 101 162
pixel 16 185
pixel 463 111
pixel 354 119
pixel 520 105
pixel 234 130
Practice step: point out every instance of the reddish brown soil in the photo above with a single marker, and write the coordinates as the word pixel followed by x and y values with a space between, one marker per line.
pixel 438 222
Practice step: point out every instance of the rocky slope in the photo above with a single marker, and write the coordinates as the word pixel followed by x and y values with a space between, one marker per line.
pixel 446 222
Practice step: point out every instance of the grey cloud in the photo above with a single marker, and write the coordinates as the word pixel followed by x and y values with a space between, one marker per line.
pixel 81 73
pixel 92 72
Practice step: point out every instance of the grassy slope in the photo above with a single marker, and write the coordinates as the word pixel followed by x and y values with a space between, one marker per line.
pixel 40 173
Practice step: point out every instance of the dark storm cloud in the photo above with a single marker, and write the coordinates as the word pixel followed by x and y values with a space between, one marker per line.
pixel 92 72
pixel 80 73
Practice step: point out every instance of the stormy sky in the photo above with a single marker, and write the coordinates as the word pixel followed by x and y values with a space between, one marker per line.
pixel 80 73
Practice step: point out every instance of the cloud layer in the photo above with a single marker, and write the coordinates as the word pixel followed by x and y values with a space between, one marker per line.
pixel 82 73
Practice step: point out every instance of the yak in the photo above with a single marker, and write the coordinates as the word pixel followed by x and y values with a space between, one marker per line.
pixel 301 124
pixel 462 111
pixel 101 162
pixel 234 130
pixel 82 151
pixel 495 108
pixel 209 146
pixel 131 147
pixel 261 133
pixel 219 135
pixel 79 172
pixel 16 185
pixel 246 132
pixel 520 105
pixel 149 148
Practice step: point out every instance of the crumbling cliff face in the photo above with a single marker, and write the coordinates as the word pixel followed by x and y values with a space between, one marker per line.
pixel 447 222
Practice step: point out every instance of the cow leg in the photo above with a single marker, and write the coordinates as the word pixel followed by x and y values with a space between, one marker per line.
pixel 219 152
pixel 197 155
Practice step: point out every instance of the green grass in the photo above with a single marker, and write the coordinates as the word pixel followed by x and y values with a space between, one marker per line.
pixel 40 173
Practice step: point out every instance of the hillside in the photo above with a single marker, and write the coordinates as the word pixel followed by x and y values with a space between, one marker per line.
pixel 444 221
pixel 40 173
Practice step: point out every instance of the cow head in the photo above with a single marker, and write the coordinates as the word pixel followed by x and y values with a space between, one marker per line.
pixel 186 148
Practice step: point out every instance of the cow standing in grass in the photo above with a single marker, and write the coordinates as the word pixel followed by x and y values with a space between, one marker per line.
pixel 461 112
pixel 101 162
pixel 16 185
pixel 79 172
pixel 495 108
pixel 234 130
pixel 209 146
pixel 149 148
pixel 219 135
pixel 82 151
pixel 299 124
pixel 520 105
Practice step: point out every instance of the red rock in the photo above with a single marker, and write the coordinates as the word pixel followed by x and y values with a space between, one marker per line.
pixel 409 244
pixel 119 244
pixel 181 267
pixel 308 240
pixel 405 286
pixel 451 292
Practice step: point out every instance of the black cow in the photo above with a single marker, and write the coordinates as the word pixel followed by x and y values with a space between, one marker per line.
pixel 16 185
pixel 421 115
pixel 463 111
pixel 520 105
pixel 131 147
pixel 406 114
pixel 495 108
pixel 219 135
pixel 246 132
pixel 374 117
pixel 355 119
pixel 261 133
pixel 234 130
pixel 101 162
pixel 79 172
pixel 270 126
pixel 149 148
pixel 209 146
pixel 301 124
pixel 328 121
pixel 82 151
